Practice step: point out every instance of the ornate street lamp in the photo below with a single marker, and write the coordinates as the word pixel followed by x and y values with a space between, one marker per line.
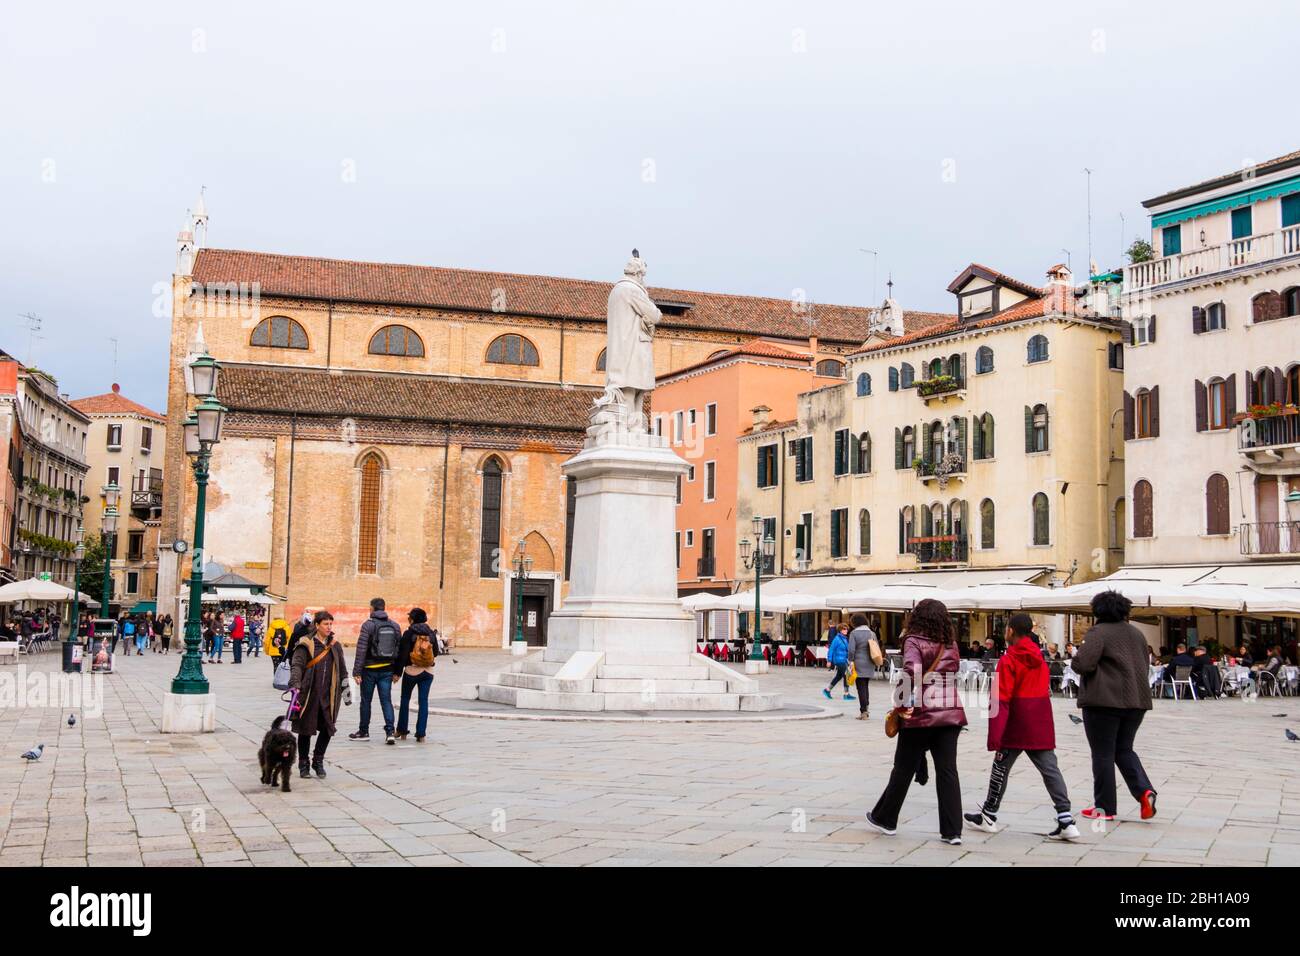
pixel 202 430
pixel 70 639
pixel 108 527
pixel 755 555
pixel 523 565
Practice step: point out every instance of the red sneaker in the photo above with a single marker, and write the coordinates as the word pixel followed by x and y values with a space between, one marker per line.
pixel 1148 802
pixel 1093 813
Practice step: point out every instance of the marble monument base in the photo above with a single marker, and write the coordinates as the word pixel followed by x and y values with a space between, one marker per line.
pixel 189 713
pixel 621 640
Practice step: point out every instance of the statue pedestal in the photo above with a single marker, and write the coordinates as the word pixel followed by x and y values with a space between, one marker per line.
pixel 621 640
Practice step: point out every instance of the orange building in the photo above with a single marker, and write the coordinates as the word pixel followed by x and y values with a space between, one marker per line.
pixel 704 408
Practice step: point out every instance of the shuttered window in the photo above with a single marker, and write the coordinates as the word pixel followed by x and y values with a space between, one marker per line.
pixel 906 376
pixel 1265 307
pixel 368 516
pixel 1241 220
pixel 893 379
pixel 987 539
pixel 983 360
pixel 839 532
pixel 1037 437
pixel 767 473
pixel 490 520
pixel 861 452
pixel 1142 509
pixel 801 448
pixel 841 452
pixel 864 384
pixel 864 532
pixel 1037 349
pixel 1171 240
pixel 1217 402
pixel 1216 505
pixel 1216 317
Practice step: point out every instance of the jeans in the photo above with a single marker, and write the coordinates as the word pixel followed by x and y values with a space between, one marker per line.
pixel 409 683
pixel 913 743
pixel 863 684
pixel 1045 761
pixel 304 744
pixel 238 647
pixel 1110 733
pixel 840 672
pixel 218 645
pixel 254 647
pixel 381 678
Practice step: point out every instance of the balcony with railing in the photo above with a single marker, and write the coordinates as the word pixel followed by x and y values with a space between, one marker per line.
pixel 952 466
pixel 146 494
pixel 1213 260
pixel 941 388
pixel 705 567
pixel 1268 538
pixel 940 549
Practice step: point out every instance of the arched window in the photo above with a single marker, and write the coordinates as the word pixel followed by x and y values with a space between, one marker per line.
pixel 935 368
pixel 1216 506
pixel 1142 413
pixel 1216 317
pixel 934 523
pixel 986 524
pixel 893 379
pixel 829 368
pixel 1142 509
pixel 906 528
pixel 1042 525
pixel 909 446
pixel 279 332
pixel 982 440
pixel 368 517
pixel 1037 349
pixel 936 442
pixel 512 350
pixel 1037 436
pixel 1291 301
pixel 1266 306
pixel 1217 403
pixel 983 360
pixel 490 520
pixel 1293 385
pixel 396 340
pixel 863 463
pixel 906 376
pixel 864 384
pixel 1120 529
pixel 1262 390
pixel 600 361
pixel 864 531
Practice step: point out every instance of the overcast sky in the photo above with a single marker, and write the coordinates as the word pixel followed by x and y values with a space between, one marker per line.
pixel 744 147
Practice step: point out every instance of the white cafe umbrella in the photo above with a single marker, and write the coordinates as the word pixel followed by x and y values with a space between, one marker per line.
pixel 1272 601
pixel 1002 595
pixel 898 596
pixel 1147 594
pixel 34 589
pixel 703 602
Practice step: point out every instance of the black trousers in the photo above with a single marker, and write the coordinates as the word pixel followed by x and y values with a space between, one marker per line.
pixel 863 684
pixel 941 742
pixel 1110 733
pixel 304 744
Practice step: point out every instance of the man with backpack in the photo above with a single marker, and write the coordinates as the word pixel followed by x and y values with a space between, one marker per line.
pixel 374 665
pixel 415 664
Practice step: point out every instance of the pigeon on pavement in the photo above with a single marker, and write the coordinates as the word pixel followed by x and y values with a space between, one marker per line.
pixel 72 720
pixel 1074 719
pixel 35 752
pixel 1279 715
pixel 1290 736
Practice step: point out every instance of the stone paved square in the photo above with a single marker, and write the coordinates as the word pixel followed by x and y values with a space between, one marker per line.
pixel 115 791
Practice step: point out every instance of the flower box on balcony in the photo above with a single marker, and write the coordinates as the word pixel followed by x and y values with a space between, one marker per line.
pixel 1274 410
pixel 939 385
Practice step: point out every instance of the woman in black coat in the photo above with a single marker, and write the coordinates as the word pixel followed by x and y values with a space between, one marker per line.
pixel 318 671
pixel 1114 695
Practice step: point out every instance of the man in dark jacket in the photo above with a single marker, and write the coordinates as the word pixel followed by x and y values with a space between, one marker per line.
pixel 1180 659
pixel 317 672
pixel 377 649
pixel 1020 723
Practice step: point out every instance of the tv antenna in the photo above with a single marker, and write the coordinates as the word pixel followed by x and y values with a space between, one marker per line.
pixel 33 322
pixel 875 261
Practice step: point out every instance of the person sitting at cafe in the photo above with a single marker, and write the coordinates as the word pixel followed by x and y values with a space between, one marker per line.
pixel 1180 659
pixel 1205 673
pixel 990 651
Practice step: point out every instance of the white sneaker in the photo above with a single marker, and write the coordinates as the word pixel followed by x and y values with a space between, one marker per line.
pixel 1066 831
pixel 879 826
pixel 981 821
pixel 951 841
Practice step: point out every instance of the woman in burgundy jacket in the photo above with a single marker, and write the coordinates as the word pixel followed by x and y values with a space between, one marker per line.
pixel 932 721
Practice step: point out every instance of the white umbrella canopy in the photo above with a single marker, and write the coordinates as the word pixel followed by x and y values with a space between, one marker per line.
pixel 34 589
pixel 899 596
pixel 1002 595
pixel 777 604
pixel 1273 601
pixel 704 602
pixel 1147 594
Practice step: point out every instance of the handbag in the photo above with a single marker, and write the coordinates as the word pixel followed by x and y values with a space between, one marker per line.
pixel 281 679
pixel 851 676
pixel 894 719
pixel 873 648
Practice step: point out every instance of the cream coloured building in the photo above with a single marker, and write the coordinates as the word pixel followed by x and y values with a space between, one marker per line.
pixel 983 447
pixel 1213 479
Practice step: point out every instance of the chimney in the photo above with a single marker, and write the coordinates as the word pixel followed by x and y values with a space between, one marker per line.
pixel 761 416
pixel 1060 274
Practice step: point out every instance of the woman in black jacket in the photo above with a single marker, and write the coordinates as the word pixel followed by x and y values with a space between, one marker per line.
pixel 415 665
pixel 1114 696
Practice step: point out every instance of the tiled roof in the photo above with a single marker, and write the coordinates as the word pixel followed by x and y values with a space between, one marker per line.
pixel 277 389
pixel 1225 178
pixel 438 287
pixel 756 348
pixel 113 403
pixel 1052 300
pixel 993 275
pixel 769 427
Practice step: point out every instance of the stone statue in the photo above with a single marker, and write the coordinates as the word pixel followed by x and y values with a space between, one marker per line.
pixel 629 346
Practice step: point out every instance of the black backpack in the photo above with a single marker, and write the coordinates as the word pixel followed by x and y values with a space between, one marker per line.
pixel 384 642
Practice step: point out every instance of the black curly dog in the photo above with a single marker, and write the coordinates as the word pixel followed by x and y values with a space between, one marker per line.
pixel 276 755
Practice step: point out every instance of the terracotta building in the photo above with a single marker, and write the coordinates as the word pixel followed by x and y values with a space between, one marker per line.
pixel 124 446
pixel 397 430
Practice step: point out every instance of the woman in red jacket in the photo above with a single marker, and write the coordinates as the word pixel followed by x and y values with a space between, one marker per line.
pixel 932 718
pixel 1022 723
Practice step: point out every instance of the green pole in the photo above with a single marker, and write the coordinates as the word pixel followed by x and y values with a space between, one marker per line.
pixel 190 679
pixel 519 606
pixel 108 581
pixel 756 652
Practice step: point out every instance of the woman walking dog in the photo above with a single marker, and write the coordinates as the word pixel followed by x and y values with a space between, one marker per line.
pixel 317 671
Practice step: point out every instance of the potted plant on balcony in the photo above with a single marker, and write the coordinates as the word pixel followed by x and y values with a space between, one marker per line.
pixel 1140 251
pixel 949 465
pixel 938 385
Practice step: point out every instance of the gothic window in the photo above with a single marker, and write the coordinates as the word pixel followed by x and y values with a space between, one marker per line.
pixel 600 361
pixel 396 340
pixel 490 519
pixel 368 519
